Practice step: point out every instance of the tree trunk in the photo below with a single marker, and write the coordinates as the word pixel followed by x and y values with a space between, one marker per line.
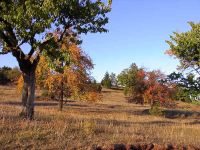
pixel 28 95
pixel 61 96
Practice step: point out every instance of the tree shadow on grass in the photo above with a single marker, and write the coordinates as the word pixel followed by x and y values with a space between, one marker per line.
pixel 175 114
pixel 97 121
pixel 12 103
pixel 43 104
pixel 196 122
pixel 106 109
pixel 130 123
pixel 181 114
pixel 106 92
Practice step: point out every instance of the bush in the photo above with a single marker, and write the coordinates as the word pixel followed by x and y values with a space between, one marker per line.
pixel 196 102
pixel 142 86
pixel 45 93
pixel 94 87
pixel 156 110
pixel 106 82
pixel 9 75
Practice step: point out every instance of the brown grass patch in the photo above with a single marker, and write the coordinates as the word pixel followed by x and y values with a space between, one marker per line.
pixel 85 125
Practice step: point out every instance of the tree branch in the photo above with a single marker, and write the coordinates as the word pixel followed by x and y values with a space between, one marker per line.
pixel 65 29
pixel 41 48
pixel 16 51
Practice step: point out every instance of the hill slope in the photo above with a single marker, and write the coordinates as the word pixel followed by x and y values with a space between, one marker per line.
pixel 84 125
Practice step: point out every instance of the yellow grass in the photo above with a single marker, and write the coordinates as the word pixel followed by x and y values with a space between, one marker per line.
pixel 84 125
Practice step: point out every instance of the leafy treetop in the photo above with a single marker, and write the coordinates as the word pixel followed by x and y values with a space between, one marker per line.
pixel 32 22
pixel 186 47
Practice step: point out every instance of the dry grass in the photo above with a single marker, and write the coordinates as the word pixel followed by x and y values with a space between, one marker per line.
pixel 85 125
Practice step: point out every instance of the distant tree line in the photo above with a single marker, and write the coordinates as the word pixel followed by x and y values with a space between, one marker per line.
pixel 9 75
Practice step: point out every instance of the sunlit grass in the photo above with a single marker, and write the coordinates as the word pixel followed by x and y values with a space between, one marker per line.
pixel 82 125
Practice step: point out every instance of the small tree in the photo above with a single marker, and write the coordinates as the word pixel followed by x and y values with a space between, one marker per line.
pixel 132 79
pixel 106 82
pixel 157 92
pixel 27 22
pixel 113 79
pixel 70 67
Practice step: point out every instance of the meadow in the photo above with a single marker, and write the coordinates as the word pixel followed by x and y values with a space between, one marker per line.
pixel 84 125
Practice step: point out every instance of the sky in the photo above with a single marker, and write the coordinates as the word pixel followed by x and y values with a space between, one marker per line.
pixel 137 33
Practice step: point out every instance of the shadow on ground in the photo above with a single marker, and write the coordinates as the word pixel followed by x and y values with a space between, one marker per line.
pixel 175 114
pixel 106 109
pixel 181 114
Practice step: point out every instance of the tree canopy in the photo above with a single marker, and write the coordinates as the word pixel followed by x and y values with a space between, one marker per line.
pixel 31 22
pixel 35 22
pixel 143 86
pixel 186 47
pixel 106 81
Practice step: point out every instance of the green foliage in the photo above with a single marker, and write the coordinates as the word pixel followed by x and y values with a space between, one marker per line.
pixel 156 110
pixel 42 24
pixel 133 83
pixel 187 88
pixel 9 75
pixel 34 22
pixel 30 18
pixel 109 80
pixel 44 93
pixel 182 95
pixel 186 47
pixel 196 102
pixel 106 82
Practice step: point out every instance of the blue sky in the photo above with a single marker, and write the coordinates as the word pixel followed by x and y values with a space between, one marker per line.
pixel 137 33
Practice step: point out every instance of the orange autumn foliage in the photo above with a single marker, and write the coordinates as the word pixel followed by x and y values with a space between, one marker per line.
pixel 148 87
pixel 75 76
pixel 156 90
pixel 169 52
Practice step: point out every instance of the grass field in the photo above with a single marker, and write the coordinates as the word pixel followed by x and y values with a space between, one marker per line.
pixel 84 125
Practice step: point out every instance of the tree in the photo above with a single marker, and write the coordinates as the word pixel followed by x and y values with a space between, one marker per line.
pixel 32 22
pixel 106 81
pixel 157 91
pixel 3 75
pixel 142 86
pixel 186 47
pixel 113 79
pixel 67 70
pixel 132 79
pixel 187 87
pixel 9 75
